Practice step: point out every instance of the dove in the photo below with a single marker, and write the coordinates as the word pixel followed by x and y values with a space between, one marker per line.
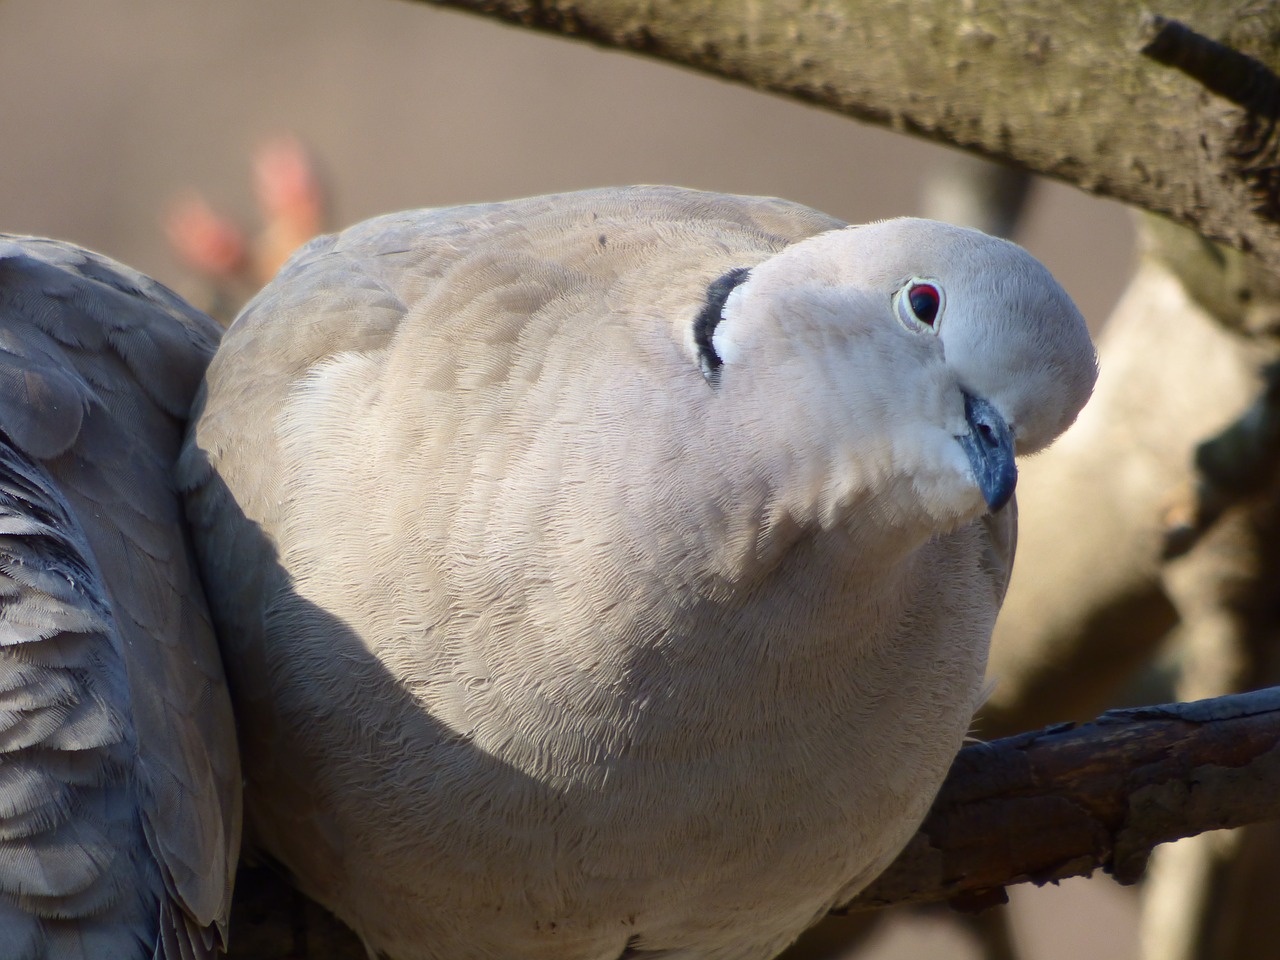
pixel 119 772
pixel 610 574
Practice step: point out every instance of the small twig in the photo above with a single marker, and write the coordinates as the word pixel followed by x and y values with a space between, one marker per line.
pixel 1068 800
pixel 1238 77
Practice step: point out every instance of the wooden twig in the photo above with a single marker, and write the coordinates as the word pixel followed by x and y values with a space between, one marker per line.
pixel 1071 799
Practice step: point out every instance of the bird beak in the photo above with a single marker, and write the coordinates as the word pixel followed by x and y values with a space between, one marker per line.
pixel 989 445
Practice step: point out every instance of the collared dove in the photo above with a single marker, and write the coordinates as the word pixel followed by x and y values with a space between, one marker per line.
pixel 119 777
pixel 611 574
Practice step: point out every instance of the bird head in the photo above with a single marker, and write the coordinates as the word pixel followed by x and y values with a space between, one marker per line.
pixel 906 358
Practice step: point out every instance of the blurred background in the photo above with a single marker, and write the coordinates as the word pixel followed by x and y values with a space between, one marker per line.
pixel 111 111
pixel 126 124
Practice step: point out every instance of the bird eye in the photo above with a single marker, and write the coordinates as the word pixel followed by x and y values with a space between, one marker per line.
pixel 919 305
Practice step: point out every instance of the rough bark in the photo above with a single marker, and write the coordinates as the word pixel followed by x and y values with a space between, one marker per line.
pixel 1149 110
pixel 1068 800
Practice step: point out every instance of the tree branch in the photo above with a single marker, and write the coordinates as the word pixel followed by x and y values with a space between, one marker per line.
pixel 1070 799
pixel 1149 110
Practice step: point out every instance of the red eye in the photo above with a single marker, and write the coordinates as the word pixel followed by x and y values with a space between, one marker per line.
pixel 924 300
pixel 919 304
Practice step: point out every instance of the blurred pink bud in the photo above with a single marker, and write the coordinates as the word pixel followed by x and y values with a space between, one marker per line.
pixel 205 240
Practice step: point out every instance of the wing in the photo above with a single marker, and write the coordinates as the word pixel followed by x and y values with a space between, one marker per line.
pixel 119 776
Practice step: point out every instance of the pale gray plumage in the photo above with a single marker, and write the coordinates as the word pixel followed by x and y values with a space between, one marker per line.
pixel 566 625
pixel 119 778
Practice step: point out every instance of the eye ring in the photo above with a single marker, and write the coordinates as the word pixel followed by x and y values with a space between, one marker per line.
pixel 918 305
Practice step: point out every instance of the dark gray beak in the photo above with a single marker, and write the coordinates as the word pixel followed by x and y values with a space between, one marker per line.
pixel 990 449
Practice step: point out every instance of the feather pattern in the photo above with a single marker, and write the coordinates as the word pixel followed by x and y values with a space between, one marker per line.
pixel 119 775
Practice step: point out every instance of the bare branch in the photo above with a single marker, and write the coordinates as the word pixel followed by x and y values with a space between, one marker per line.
pixel 1060 87
pixel 1067 800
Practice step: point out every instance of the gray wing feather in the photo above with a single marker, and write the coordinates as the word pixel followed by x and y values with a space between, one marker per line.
pixel 119 776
